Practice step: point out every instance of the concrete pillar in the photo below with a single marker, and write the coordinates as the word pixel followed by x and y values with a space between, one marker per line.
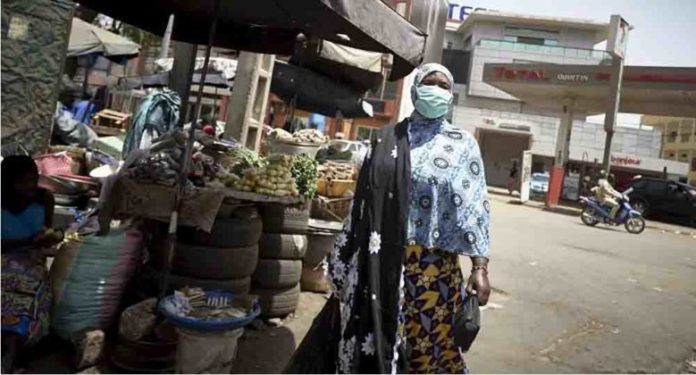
pixel 182 73
pixel 561 154
pixel 247 106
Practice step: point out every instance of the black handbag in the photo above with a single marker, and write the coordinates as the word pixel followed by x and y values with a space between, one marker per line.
pixel 318 351
pixel 467 322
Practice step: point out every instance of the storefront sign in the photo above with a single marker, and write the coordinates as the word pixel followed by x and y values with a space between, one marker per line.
pixel 459 12
pixel 520 73
pixel 570 77
pixel 625 161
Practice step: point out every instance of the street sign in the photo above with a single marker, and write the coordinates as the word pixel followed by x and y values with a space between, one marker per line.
pixel 618 36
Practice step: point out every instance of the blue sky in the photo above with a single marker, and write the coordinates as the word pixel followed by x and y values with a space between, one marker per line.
pixel 664 31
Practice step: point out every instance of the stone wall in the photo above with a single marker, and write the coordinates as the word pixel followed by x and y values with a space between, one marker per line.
pixel 34 40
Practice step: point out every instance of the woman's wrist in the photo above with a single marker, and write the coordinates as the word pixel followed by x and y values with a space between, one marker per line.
pixel 479 264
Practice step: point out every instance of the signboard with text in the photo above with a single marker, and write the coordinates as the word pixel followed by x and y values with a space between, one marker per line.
pixel 458 11
pixel 618 36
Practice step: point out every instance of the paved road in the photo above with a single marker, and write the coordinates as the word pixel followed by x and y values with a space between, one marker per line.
pixel 571 298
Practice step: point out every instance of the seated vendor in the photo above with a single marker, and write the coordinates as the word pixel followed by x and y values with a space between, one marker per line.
pixel 27 212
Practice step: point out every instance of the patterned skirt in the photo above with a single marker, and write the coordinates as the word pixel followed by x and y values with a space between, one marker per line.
pixel 432 294
pixel 26 297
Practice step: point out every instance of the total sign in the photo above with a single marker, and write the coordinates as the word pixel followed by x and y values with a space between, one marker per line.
pixel 458 10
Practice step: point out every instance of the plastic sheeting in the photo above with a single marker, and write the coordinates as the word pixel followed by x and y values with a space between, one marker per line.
pixel 224 66
pixel 89 278
pixel 316 93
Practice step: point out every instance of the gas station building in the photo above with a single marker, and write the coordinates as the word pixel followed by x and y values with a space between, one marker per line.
pixel 528 83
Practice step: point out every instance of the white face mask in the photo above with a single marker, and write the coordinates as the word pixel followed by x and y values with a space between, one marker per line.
pixel 432 101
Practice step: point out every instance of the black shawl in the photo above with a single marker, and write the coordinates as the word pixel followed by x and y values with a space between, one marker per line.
pixel 377 232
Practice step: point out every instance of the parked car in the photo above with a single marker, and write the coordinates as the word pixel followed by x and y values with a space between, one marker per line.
pixel 539 184
pixel 656 196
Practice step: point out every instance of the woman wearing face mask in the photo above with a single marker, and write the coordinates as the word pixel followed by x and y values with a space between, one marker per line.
pixel 420 203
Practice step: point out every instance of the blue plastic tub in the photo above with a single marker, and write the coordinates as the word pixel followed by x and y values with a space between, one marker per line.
pixel 167 308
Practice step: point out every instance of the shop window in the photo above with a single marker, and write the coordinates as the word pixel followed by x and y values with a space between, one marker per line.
pixel 458 63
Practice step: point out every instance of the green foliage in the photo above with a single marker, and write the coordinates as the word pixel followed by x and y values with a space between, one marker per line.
pixel 245 158
pixel 304 170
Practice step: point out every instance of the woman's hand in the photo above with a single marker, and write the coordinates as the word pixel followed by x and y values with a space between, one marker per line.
pixel 478 281
pixel 47 238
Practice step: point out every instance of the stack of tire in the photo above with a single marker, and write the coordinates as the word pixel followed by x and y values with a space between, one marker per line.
pixel 320 242
pixel 282 246
pixel 223 259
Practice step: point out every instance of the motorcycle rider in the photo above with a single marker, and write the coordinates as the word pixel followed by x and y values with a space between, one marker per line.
pixel 606 194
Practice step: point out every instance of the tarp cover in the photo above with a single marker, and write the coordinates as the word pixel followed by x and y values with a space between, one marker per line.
pixel 355 67
pixel 86 39
pixel 224 66
pixel 271 26
pixel 316 93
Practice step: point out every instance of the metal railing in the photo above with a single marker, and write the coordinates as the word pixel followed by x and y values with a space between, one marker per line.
pixel 543 49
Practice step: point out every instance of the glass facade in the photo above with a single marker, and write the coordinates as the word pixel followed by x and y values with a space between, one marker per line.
pixel 549 49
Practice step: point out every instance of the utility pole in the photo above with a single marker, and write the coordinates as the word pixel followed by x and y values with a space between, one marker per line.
pixel 616 46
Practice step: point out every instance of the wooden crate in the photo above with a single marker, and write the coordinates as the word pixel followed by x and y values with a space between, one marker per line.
pixel 109 123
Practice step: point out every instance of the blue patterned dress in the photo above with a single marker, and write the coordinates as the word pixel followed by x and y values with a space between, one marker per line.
pixel 449 216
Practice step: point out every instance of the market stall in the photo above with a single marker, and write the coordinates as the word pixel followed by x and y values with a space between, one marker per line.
pixel 201 200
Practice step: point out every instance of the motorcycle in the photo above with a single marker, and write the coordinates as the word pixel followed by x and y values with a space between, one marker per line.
pixel 594 213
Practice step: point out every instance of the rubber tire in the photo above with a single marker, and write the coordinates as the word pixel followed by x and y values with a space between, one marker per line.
pixel 282 246
pixel 237 286
pixel 319 247
pixel 642 228
pixel 314 280
pixel 277 273
pixel 226 233
pixel 278 303
pixel 215 263
pixel 283 219
pixel 584 221
pixel 236 210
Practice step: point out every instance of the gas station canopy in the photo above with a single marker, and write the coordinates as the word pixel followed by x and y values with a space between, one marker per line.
pixel 665 91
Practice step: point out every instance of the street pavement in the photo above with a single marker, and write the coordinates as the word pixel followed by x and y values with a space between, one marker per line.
pixel 567 298
pixel 571 298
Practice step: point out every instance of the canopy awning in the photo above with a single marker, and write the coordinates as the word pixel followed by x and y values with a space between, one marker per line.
pixel 87 39
pixel 650 90
pixel 316 93
pixel 271 26
pixel 358 68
